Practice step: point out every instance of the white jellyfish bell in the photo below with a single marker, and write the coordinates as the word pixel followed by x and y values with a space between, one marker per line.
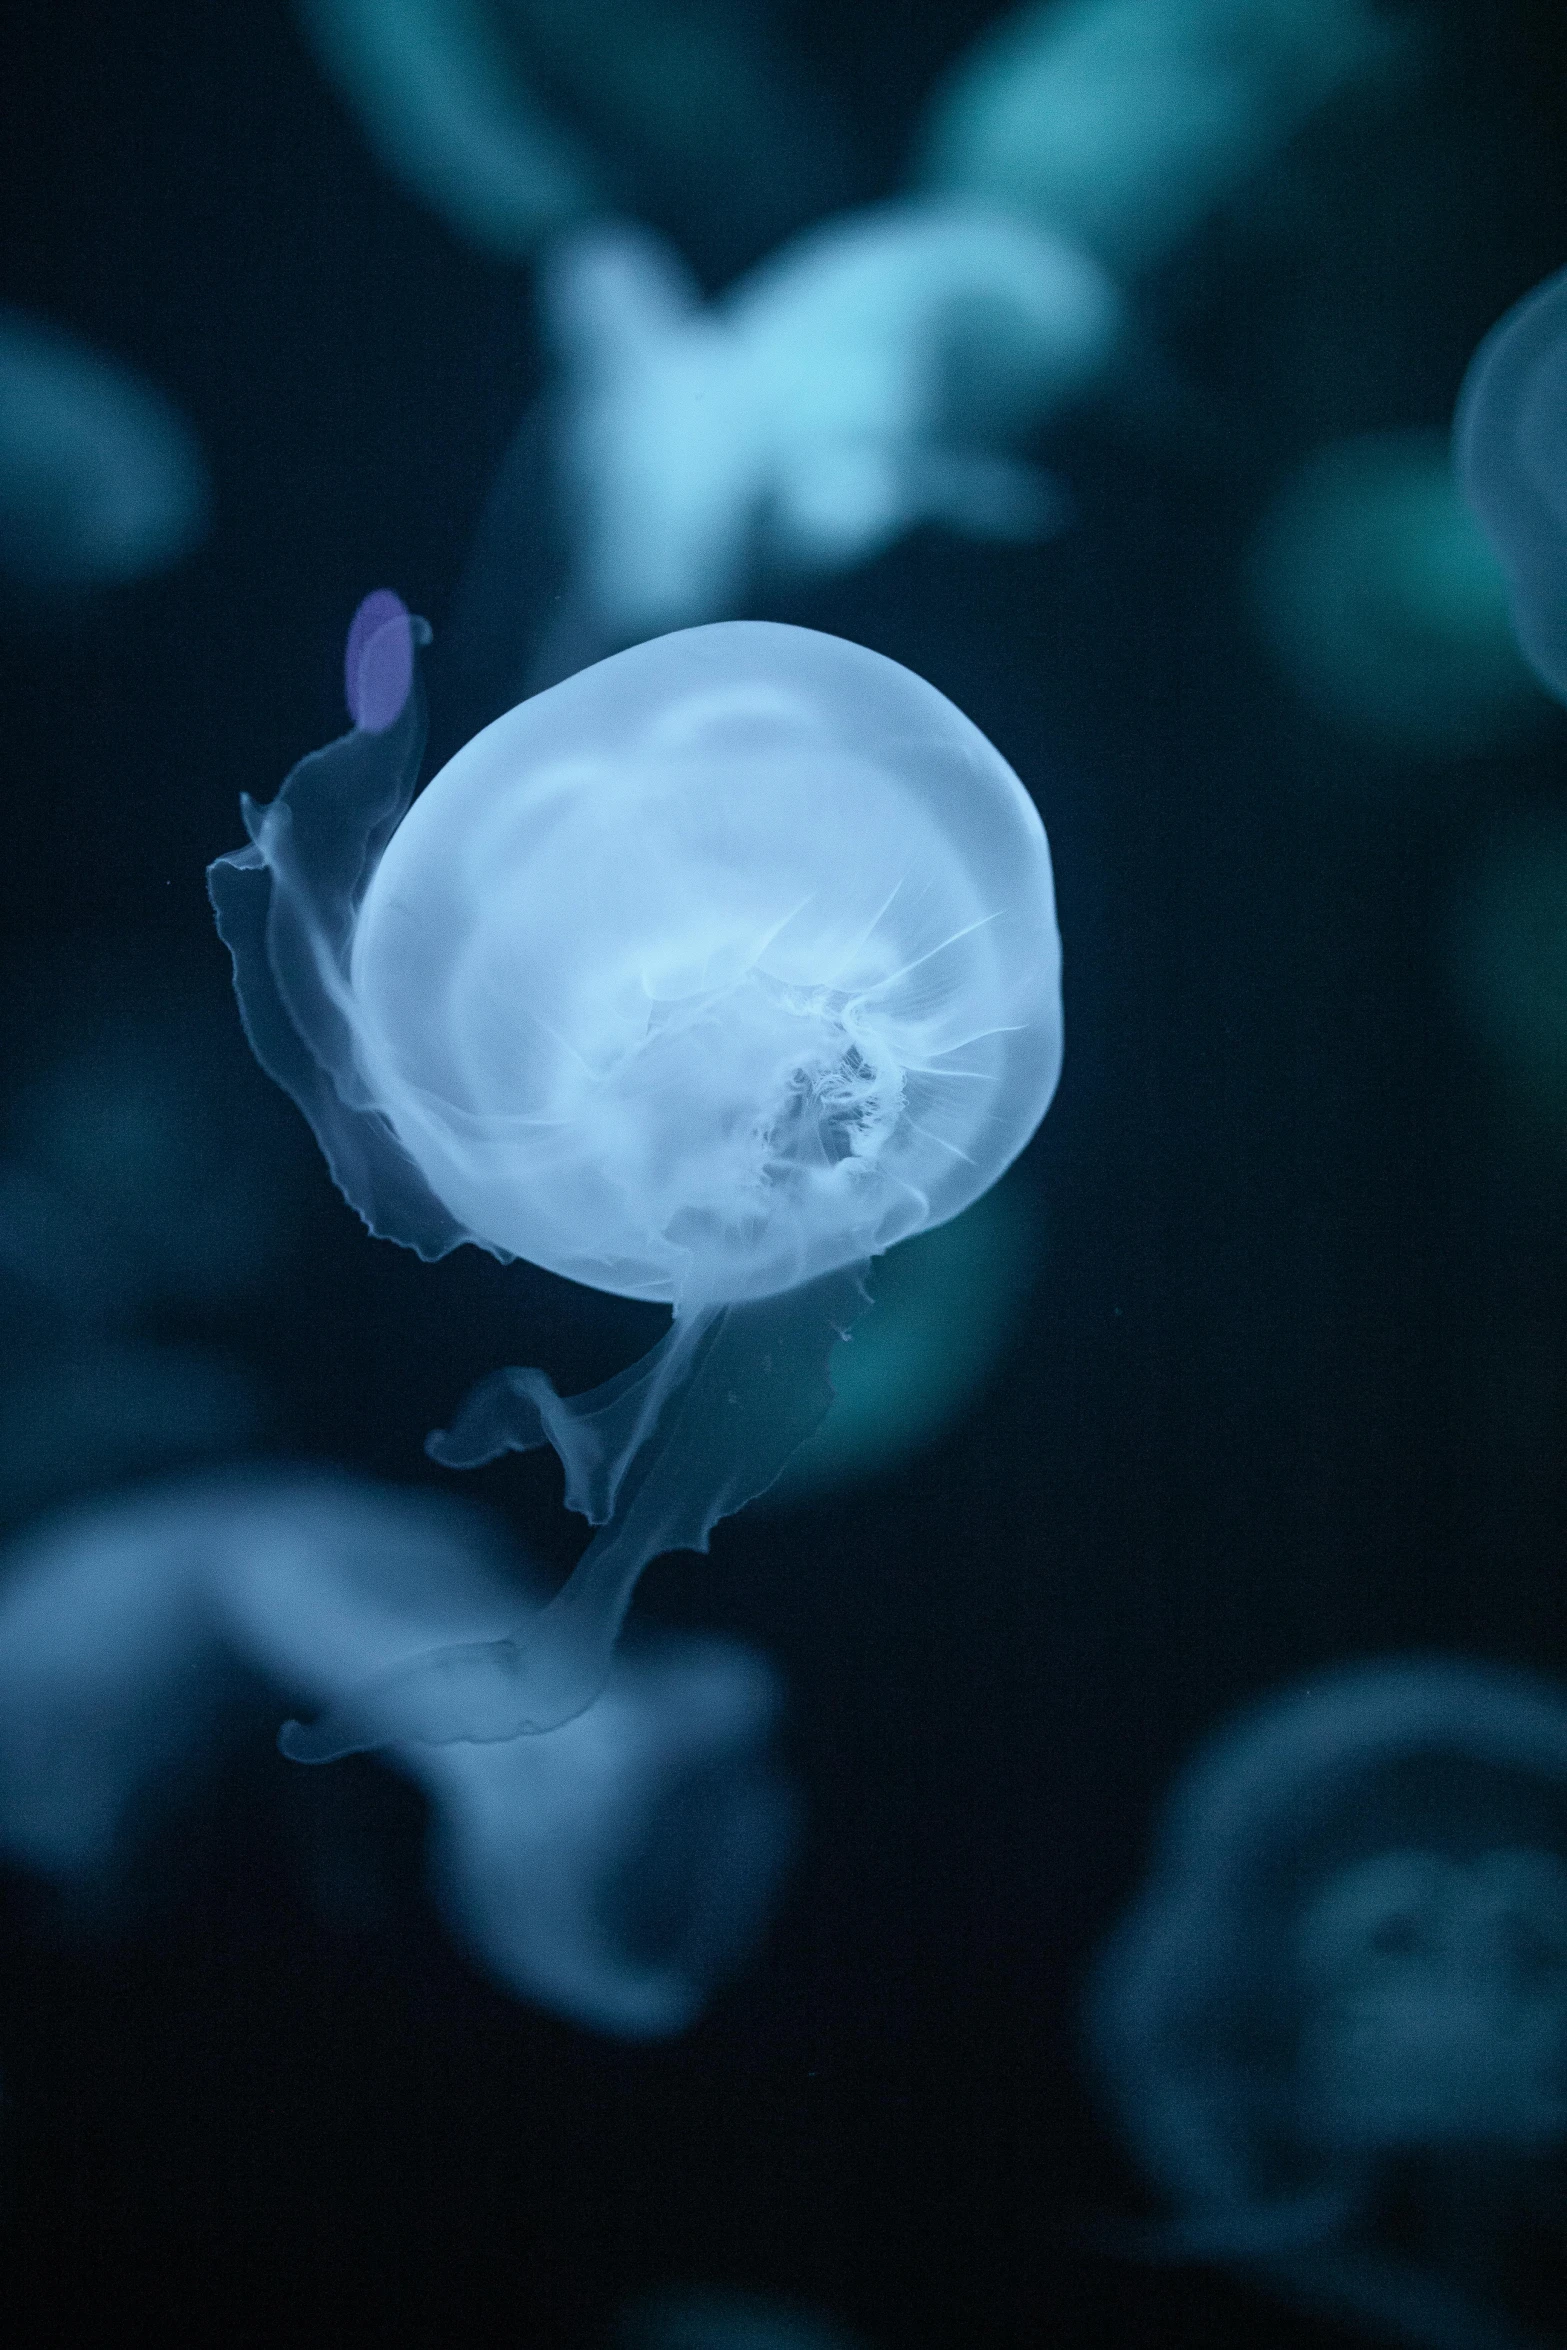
pixel 703 977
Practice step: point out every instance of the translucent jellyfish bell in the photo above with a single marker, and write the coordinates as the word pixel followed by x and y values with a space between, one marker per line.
pixel 1510 443
pixel 703 977
pixel 1333 2025
pixel 714 968
pixel 1123 122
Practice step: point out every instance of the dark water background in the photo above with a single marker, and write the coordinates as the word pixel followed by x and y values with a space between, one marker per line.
pixel 1293 1384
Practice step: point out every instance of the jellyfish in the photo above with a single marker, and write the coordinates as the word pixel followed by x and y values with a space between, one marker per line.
pixel 513 118
pixel 707 2318
pixel 1510 446
pixel 614 1874
pixel 947 1304
pixel 621 1881
pixel 878 373
pixel 1123 123
pixel 1334 2024
pixel 446 110
pixel 100 479
pixel 1382 600
pixel 703 977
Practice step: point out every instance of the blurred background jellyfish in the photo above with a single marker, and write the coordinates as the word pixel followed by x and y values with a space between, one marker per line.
pixel 447 110
pixel 1384 603
pixel 516 118
pixel 711 2318
pixel 1510 453
pixel 1122 123
pixel 704 977
pixel 947 1306
pixel 878 374
pixel 881 369
pixel 621 1882
pixel 101 480
pixel 613 1874
pixel 1510 439
pixel 1333 2025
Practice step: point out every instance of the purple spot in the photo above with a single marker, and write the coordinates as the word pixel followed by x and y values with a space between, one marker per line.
pixel 378 662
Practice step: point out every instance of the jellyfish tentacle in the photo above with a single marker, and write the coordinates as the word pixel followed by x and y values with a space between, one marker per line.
pixel 596 1434
pixel 704 1424
pixel 482 1683
pixel 487 1692
pixel 954 938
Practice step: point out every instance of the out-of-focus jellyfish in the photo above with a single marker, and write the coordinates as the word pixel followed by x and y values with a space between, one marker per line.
pixel 1381 599
pixel 512 118
pixel 879 373
pixel 1123 123
pixel 946 1305
pixel 704 977
pixel 100 479
pixel 1511 446
pixel 1334 2024
pixel 444 105
pixel 622 1881
pixel 708 2318
pixel 614 1873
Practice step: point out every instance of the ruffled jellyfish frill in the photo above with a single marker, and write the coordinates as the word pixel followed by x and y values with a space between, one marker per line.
pixel 703 977
pixel 1510 444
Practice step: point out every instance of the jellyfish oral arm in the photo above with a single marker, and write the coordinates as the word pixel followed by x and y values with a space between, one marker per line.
pixel 654 1459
